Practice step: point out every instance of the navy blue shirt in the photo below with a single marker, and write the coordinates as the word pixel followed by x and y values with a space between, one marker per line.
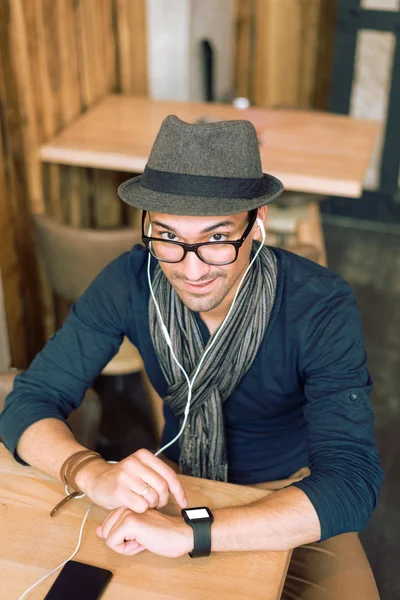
pixel 304 400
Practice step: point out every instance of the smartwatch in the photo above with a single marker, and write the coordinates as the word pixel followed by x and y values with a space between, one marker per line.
pixel 200 520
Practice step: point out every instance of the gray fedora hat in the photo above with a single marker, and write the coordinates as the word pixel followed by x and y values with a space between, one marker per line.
pixel 205 169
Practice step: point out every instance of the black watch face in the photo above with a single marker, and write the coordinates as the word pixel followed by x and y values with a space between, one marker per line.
pixel 198 514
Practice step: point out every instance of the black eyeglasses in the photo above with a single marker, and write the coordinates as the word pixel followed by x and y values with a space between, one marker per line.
pixel 211 253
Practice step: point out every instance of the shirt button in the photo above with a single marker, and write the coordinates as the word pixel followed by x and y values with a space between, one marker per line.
pixel 353 397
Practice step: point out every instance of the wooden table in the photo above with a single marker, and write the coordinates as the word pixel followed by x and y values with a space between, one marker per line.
pixel 31 544
pixel 313 152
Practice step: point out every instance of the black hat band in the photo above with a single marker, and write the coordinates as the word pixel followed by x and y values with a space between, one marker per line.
pixel 206 186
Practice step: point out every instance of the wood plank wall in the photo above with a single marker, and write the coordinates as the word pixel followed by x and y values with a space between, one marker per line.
pixel 17 258
pixel 284 51
pixel 59 57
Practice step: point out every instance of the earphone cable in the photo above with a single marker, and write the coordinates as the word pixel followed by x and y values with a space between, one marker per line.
pixel 169 342
pixel 187 408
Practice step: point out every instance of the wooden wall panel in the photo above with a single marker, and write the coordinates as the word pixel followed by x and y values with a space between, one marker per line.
pixel 309 39
pixel 65 60
pixel 283 50
pixel 9 270
pixel 17 256
pixel 132 46
pixel 58 57
pixel 324 59
pixel 5 353
pixel 244 47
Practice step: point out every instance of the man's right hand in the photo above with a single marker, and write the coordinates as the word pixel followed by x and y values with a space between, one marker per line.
pixel 122 484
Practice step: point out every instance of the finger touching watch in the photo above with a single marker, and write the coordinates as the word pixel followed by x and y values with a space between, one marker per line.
pixel 200 520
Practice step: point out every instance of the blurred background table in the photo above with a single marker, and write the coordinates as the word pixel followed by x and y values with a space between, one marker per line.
pixel 313 152
pixel 31 544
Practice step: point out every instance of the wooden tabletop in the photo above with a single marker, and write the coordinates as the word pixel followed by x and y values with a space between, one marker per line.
pixel 32 543
pixel 314 152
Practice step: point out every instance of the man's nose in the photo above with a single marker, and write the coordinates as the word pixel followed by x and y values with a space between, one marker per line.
pixel 193 268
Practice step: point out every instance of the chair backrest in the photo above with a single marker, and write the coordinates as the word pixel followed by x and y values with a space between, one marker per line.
pixel 84 421
pixel 6 385
pixel 73 257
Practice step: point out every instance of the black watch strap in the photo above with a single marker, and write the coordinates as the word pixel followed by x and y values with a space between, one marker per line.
pixel 202 539
pixel 200 520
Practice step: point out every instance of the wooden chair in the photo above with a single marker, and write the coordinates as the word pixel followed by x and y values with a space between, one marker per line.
pixel 84 421
pixel 73 257
pixel 294 223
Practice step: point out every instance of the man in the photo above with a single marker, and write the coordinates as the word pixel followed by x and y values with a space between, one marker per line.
pixel 281 393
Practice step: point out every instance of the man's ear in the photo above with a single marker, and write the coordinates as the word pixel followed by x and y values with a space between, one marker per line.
pixel 261 214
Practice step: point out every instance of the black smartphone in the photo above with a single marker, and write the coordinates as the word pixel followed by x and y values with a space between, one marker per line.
pixel 78 581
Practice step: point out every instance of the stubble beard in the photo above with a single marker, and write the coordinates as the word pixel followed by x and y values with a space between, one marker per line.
pixel 203 303
pixel 199 303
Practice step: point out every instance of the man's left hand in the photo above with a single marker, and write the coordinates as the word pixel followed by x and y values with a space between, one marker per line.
pixel 129 533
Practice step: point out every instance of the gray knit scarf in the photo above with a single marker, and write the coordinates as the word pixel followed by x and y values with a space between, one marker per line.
pixel 202 443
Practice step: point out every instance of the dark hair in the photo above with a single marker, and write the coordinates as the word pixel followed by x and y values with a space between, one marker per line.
pixel 251 212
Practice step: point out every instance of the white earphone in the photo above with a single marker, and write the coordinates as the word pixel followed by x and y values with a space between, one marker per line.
pixel 169 341
pixel 262 228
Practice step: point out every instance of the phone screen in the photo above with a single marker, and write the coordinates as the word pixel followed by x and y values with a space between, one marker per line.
pixel 78 581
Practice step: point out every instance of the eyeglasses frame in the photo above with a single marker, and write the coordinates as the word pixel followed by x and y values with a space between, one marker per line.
pixel 237 244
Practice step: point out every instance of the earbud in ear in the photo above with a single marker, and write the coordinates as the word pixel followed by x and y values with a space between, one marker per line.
pixel 261 226
pixel 149 231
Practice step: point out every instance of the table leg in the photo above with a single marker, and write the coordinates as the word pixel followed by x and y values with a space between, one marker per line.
pixel 309 231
